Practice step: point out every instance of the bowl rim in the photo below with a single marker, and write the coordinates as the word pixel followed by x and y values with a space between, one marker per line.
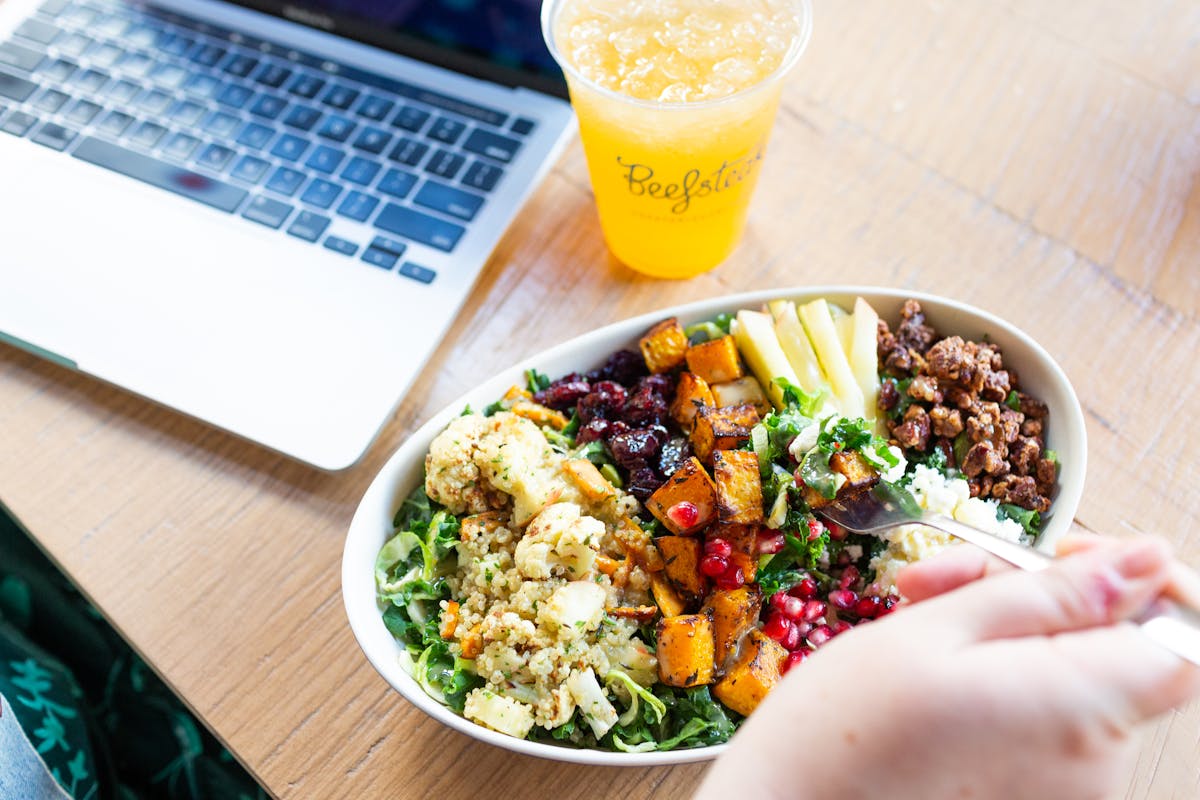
pixel 382 490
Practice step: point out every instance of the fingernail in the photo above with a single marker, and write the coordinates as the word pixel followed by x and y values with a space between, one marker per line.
pixel 1139 559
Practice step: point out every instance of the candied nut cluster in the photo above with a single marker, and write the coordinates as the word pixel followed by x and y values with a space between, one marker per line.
pixel 958 397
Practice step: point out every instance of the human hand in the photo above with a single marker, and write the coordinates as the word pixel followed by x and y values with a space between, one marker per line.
pixel 1002 685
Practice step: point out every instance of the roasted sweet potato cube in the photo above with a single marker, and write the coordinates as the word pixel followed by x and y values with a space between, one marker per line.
pixel 690 483
pixel 735 611
pixel 664 347
pixel 691 393
pixel 747 563
pixel 739 486
pixel 716 360
pixel 685 649
pixel 669 600
pixel 743 391
pixel 859 474
pixel 540 414
pixel 583 473
pixel 637 545
pixel 756 671
pixel 681 559
pixel 721 429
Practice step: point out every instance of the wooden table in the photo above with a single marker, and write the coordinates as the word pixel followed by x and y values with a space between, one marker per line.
pixel 1041 160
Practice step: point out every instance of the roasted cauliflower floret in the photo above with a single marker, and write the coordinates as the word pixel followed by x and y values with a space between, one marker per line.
pixel 452 474
pixel 559 542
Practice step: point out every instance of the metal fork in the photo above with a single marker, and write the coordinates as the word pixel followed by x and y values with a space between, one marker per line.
pixel 1170 624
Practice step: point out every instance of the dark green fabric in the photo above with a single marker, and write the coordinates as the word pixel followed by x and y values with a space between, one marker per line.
pixel 103 722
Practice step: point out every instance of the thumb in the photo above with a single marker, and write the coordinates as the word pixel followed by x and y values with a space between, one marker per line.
pixel 1103 585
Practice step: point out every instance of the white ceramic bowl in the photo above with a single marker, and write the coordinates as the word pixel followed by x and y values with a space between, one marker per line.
pixel 372 524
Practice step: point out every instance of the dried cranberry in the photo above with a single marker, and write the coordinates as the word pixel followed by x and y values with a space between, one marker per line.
pixel 643 482
pixel 605 400
pixel 645 408
pixel 592 430
pixel 633 446
pixel 673 455
pixel 564 392
pixel 661 385
pixel 623 366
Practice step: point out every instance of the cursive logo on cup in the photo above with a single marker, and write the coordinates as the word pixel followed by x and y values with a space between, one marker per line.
pixel 641 180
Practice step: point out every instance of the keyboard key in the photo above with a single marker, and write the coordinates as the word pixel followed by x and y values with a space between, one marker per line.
pixel 185 112
pixel 56 137
pixel 285 181
pixel 221 125
pixel 23 58
pixel 380 258
pixel 321 193
pixel 90 80
pixel 410 118
pixel 81 15
pixel 324 159
pixel 18 123
pixel 417 273
pixel 301 118
pixel 135 64
pixel 361 171
pixel 482 176
pixel 153 101
pixel 492 145
pixel 445 164
pixel 176 44
pixel 373 140
pixel 268 106
pixel 419 227
pixel 51 100
pixel 83 112
pixel 266 211
pixel 72 44
pixel 36 30
pixel 203 86
pixel 337 128
pixel 147 134
pixel 115 123
pixel 357 206
pixel 397 183
pixel 158 173
pixel 446 130
pixel 273 75
pixel 111 25
pixel 14 87
pixel 240 65
pixel 207 54
pixel 234 96
pixel 215 157
pixel 309 226
pixel 59 70
pixel 448 200
pixel 306 86
pixel 250 169
pixel 255 136
pixel 180 146
pixel 289 147
pixel 341 97
pixel 342 246
pixel 143 36
pixel 375 107
pixel 122 92
pixel 52 8
pixel 389 245
pixel 408 152
pixel 169 76
pixel 103 54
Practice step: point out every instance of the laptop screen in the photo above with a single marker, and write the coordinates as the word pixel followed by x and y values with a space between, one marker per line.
pixel 498 40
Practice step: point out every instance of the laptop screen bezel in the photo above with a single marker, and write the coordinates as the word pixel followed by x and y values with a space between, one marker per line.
pixel 410 46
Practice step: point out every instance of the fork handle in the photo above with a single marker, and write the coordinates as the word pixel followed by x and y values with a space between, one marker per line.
pixel 1170 624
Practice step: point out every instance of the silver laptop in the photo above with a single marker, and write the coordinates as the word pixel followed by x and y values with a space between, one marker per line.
pixel 263 214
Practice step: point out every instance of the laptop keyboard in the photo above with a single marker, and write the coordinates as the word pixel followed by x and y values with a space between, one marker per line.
pixel 280 138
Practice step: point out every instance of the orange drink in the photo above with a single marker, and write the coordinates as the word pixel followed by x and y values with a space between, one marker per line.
pixel 675 100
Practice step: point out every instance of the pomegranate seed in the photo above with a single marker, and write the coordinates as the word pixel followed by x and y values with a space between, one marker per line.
pixel 841 626
pixel 718 547
pixel 794 658
pixel 849 576
pixel 684 514
pixel 814 610
pixel 819 635
pixel 889 605
pixel 803 627
pixel 868 607
pixel 714 566
pixel 804 589
pixel 792 639
pixel 815 529
pixel 770 544
pixel 790 607
pixel 843 599
pixel 777 627
pixel 836 532
pixel 731 579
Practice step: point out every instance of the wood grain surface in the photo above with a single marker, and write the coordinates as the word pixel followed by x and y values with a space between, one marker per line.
pixel 1041 160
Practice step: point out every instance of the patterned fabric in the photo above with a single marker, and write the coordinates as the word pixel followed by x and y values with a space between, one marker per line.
pixel 104 725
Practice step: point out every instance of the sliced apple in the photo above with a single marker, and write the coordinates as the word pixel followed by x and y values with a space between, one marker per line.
pixel 864 357
pixel 755 337
pixel 821 332
pixel 794 342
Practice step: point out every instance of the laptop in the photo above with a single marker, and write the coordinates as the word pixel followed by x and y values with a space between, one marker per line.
pixel 263 214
